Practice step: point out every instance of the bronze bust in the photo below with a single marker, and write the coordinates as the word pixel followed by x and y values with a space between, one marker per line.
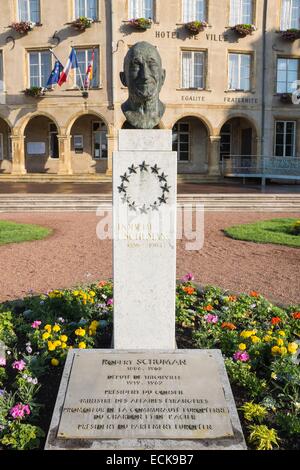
pixel 144 76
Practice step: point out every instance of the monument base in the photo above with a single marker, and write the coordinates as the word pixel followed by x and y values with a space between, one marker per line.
pixel 143 400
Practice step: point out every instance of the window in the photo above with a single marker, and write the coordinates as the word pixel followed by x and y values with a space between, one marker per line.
pixel 78 143
pixel 285 138
pixel 239 72
pixel 193 69
pixel 99 140
pixel 40 66
pixel 1 72
pixel 193 10
pixel 181 141
pixel 225 145
pixel 141 9
pixel 1 147
pixel 84 56
pixel 290 14
pixel 287 74
pixel 29 10
pixel 241 12
pixel 87 8
pixel 53 141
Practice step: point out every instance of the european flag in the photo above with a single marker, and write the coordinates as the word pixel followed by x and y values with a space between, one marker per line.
pixel 55 74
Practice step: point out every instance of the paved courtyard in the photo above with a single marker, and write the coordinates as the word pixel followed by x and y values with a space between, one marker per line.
pixel 74 255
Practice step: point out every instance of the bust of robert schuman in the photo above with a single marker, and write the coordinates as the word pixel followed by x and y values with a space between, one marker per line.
pixel 144 76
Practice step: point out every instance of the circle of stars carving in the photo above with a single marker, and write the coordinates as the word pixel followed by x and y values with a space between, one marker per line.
pixel 158 174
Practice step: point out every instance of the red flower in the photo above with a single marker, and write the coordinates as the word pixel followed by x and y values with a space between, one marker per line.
pixel 102 283
pixel 208 308
pixel 254 294
pixel 296 315
pixel 228 326
pixel 275 320
pixel 189 290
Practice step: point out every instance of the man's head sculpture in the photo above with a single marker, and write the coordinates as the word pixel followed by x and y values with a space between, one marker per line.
pixel 144 76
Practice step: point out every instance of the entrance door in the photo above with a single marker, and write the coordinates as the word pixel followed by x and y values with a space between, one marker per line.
pixel 53 140
pixel 246 144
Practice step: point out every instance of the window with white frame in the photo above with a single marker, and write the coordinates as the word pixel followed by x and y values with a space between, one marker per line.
pixel 29 10
pixel 290 14
pixel 84 57
pixel 1 147
pixel 181 141
pixel 1 73
pixel 192 66
pixel 193 10
pixel 87 8
pixel 239 71
pixel 285 138
pixel 141 9
pixel 99 140
pixel 40 67
pixel 241 12
pixel 287 74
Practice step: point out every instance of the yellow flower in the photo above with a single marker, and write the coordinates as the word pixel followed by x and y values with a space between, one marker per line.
pixel 283 351
pixel 242 346
pixel 63 338
pixel 56 328
pixel 293 348
pixel 94 325
pixel 270 332
pixel 275 350
pixel 246 334
pixel 63 345
pixel 280 342
pixel 54 362
pixel 92 293
pixel 82 345
pixel 80 332
pixel 274 376
pixel 48 328
pixel 92 332
pixel 255 339
pixel 46 335
pixel 51 346
pixel 75 293
pixel 267 338
pixel 281 333
pixel 57 343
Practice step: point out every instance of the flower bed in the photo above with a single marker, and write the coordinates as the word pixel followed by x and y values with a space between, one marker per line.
pixel 195 27
pixel 290 35
pixel 82 23
pixel 244 30
pixel 257 338
pixel 23 26
pixel 140 23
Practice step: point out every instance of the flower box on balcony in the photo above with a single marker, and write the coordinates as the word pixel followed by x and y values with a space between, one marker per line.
pixel 286 98
pixel 290 35
pixel 195 27
pixel 23 26
pixel 244 30
pixel 35 92
pixel 141 23
pixel 82 23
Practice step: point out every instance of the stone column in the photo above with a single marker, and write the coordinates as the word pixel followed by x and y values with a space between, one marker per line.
pixel 214 156
pixel 18 155
pixel 65 157
pixel 111 147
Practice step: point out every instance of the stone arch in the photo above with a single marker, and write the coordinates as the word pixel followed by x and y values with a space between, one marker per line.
pixel 79 114
pixel 25 121
pixel 5 145
pixel 241 116
pixel 198 116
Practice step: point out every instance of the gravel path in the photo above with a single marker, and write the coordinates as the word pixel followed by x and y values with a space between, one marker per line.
pixel 74 255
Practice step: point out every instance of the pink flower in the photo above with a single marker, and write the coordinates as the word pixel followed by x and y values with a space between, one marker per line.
pixel 211 318
pixel 242 356
pixel 2 361
pixel 110 301
pixel 19 411
pixel 188 277
pixel 19 365
pixel 36 324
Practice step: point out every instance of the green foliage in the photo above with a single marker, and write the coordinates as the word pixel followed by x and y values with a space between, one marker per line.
pixel 7 400
pixel 241 374
pixel 288 424
pixel 7 334
pixel 21 436
pixel 254 412
pixel 12 232
pixel 295 228
pixel 263 438
pixel 276 231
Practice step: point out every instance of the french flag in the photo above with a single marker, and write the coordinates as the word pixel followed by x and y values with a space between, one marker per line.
pixel 71 64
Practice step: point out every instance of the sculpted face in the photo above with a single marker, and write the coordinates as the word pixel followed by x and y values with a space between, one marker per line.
pixel 143 74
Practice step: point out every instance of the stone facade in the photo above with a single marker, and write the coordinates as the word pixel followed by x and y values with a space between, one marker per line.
pixel 56 133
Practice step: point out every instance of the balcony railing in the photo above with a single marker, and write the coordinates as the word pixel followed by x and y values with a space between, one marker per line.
pixel 253 165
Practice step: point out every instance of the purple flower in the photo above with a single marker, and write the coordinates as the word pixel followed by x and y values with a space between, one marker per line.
pixel 2 361
pixel 36 324
pixel 188 277
pixel 29 349
pixel 61 320
pixel 211 318
pixel 242 356
pixel 19 365
pixel 110 301
pixel 19 411
pixel 1 393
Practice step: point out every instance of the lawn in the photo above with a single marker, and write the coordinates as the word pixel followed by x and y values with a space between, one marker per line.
pixel 276 231
pixel 12 232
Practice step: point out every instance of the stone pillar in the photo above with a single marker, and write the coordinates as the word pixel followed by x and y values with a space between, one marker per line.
pixel 214 156
pixel 111 147
pixel 18 155
pixel 65 157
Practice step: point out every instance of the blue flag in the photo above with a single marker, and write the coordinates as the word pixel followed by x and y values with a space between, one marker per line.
pixel 55 74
